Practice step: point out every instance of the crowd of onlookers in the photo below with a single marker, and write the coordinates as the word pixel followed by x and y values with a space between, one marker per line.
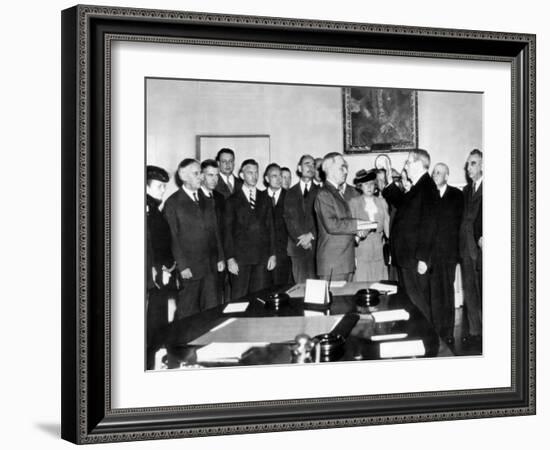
pixel 219 237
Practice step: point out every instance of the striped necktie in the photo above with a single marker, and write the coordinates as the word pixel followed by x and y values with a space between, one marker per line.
pixel 251 198
pixel 229 184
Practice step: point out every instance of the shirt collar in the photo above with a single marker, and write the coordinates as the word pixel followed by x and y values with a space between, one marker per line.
pixel 248 190
pixel 206 192
pixel 303 185
pixel 189 192
pixel 272 193
pixel 230 177
pixel 335 186
pixel 442 190
pixel 478 183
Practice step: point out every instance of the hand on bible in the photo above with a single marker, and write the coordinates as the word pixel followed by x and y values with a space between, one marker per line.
pixel 271 262
pixel 232 266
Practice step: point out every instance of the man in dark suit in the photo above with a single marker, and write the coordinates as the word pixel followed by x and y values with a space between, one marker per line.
pixel 160 262
pixel 273 180
pixel 299 218
pixel 227 182
pixel 412 232
pixel 196 242
pixel 471 242
pixel 210 175
pixel 449 207
pixel 249 235
pixel 337 228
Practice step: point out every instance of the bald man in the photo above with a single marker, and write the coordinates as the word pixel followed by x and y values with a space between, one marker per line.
pixel 448 208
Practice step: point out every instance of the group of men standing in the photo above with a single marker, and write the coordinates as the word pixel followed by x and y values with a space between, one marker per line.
pixel 219 237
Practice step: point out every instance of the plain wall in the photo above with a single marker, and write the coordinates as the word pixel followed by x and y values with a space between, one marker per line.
pixel 298 119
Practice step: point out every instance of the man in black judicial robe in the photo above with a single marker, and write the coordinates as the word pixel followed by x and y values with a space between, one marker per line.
pixel 449 207
pixel 412 232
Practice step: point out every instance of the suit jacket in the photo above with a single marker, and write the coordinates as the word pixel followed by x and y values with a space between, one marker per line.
pixel 471 226
pixel 196 242
pixel 299 217
pixel 218 201
pixel 336 227
pixel 448 216
pixel 281 233
pixel 413 227
pixel 249 233
pixel 223 188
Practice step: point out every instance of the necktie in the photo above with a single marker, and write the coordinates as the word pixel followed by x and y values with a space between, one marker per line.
pixel 342 190
pixel 195 197
pixel 273 199
pixel 229 184
pixel 306 191
pixel 251 199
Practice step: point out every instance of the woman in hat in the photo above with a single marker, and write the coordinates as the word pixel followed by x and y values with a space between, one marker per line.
pixel 369 255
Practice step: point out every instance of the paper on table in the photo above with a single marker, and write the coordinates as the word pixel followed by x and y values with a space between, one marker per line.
pixel 392 315
pixel 223 351
pixel 383 287
pixel 337 284
pixel 388 337
pixel 316 292
pixel 310 313
pixel 405 348
pixel 235 307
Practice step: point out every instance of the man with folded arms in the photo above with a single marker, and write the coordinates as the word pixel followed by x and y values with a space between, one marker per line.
pixel 413 228
pixel 337 228
pixel 299 218
pixel 249 235
pixel 196 242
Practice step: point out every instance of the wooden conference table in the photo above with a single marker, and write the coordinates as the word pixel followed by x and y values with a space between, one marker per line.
pixel 363 334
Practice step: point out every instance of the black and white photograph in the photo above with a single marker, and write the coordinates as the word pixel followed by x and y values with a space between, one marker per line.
pixel 294 223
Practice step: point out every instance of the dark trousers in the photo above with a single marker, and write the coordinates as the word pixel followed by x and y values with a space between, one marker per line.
pixel 417 288
pixel 303 267
pixel 442 297
pixel 157 321
pixel 471 283
pixel 197 295
pixel 251 278
pixel 282 274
